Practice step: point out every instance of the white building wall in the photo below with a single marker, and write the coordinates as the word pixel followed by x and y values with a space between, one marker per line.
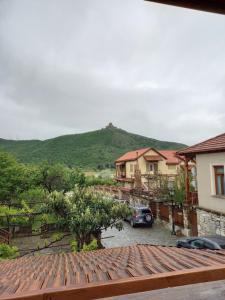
pixel 211 212
pixel 206 181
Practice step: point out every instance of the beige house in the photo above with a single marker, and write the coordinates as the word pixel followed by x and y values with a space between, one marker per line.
pixel 210 162
pixel 149 161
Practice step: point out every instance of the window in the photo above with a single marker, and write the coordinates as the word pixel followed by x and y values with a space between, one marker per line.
pixel 219 180
pixel 198 244
pixel 152 167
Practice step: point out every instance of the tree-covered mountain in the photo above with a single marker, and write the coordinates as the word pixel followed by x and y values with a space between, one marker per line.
pixel 87 150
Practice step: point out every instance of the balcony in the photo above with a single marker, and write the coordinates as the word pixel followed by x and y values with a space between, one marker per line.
pixel 122 175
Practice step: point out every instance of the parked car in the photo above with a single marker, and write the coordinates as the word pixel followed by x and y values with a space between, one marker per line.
pixel 142 215
pixel 215 242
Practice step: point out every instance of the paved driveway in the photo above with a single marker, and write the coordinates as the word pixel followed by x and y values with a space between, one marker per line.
pixel 157 235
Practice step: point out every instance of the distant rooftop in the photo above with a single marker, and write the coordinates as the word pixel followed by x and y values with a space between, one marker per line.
pixel 170 155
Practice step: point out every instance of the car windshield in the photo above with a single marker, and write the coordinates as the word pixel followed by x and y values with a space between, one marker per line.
pixel 218 240
pixel 145 211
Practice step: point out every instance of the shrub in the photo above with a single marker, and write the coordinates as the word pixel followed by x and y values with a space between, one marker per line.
pixel 73 246
pixel 57 236
pixel 91 180
pixel 33 196
pixel 8 214
pixel 8 252
pixel 46 243
pixel 90 247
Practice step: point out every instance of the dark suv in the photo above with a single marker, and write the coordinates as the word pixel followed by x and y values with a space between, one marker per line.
pixel 141 215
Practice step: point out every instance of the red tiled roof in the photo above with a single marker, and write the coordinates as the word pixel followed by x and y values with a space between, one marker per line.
pixel 132 155
pixel 107 272
pixel 153 157
pixel 171 156
pixel 215 144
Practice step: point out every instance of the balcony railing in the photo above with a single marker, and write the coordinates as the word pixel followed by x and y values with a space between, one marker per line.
pixel 122 175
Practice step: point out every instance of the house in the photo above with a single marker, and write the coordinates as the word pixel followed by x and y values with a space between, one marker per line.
pixel 108 272
pixel 148 161
pixel 210 163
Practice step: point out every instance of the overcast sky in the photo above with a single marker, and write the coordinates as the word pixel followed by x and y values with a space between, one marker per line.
pixel 70 66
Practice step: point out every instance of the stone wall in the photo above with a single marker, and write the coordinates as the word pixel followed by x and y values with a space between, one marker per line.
pixel 210 223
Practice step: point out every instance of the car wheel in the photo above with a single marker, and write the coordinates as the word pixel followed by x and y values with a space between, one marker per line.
pixel 132 223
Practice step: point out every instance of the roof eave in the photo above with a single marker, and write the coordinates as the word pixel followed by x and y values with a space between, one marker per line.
pixel 213 6
pixel 126 160
pixel 194 153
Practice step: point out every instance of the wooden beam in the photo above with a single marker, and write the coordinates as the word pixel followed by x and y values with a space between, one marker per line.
pixel 127 286
pixel 214 6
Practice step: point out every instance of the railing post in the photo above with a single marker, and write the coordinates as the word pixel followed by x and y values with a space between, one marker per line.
pixel 186 220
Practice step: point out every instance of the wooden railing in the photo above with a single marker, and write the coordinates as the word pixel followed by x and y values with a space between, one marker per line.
pixel 178 217
pixel 5 236
pixel 164 212
pixel 192 198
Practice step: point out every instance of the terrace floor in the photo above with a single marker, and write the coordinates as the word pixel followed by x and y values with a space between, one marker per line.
pixel 200 291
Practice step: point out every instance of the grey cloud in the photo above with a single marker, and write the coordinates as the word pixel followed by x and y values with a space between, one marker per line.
pixel 71 66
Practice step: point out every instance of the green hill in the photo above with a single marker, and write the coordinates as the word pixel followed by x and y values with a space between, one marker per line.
pixel 86 150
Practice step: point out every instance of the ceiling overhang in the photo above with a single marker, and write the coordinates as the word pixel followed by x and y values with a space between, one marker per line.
pixel 214 6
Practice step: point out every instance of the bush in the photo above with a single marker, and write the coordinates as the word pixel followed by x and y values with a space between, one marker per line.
pixel 91 180
pixel 7 213
pixel 90 247
pixel 87 247
pixel 57 236
pixel 73 246
pixel 33 196
pixel 8 252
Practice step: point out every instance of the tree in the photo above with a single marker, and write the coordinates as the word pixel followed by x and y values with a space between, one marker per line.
pixel 179 186
pixel 77 177
pixel 87 213
pixel 56 177
pixel 13 179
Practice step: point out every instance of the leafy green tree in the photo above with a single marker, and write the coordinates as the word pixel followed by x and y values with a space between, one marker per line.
pixel 87 213
pixel 33 196
pixel 76 177
pixel 51 177
pixel 11 216
pixel 13 179
pixel 57 177
pixel 179 186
